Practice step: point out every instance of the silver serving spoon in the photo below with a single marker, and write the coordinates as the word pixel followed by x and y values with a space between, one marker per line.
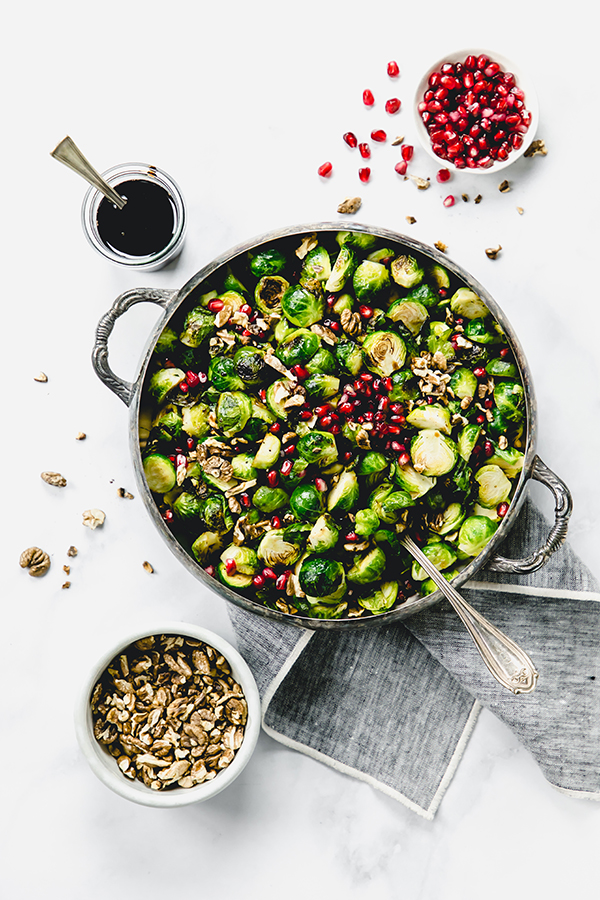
pixel 507 662
pixel 68 152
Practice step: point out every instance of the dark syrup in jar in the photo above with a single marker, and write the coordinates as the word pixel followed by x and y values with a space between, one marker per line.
pixel 145 224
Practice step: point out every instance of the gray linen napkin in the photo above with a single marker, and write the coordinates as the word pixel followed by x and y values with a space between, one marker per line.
pixel 394 705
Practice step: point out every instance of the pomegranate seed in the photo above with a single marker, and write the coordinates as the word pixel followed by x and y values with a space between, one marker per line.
pixel 300 372
pixel 396 446
pixel 321 485
pixel 480 419
pixel 245 500
pixel 368 98
pixel 168 515
pixel 192 379
pixel 210 570
pixel 184 387
pixel 289 450
pixel 364 174
pixel 502 509
pixel 306 414
pixel 379 135
pixel 216 305
pixel 393 105
pixel 275 522
pixel 351 139
pixel 286 466
pixel 202 377
pixel 230 566
pixel 393 69
pixel 449 200
pixel 407 151
pixel 191 443
pixel 258 581
pixel 275 428
pixel 325 170
pixel 352 536
pixel 345 408
pixel 325 422
pixel 479 372
pixel 335 429
pixel 401 167
pixel 269 574
pixel 348 456
pixel 443 175
pixel 364 150
pixel 365 376
pixel 273 477
pixel 404 459
pixel 366 312
pixel 504 352
pixel 282 581
pixel 322 410
pixel 246 309
pixel 488 448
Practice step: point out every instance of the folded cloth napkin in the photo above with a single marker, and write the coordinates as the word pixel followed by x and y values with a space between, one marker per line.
pixel 394 705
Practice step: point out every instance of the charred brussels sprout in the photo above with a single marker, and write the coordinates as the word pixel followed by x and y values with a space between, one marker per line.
pixel 215 514
pixel 384 352
pixel 467 439
pixel 412 314
pixel 298 347
pixel 406 271
pixel 349 356
pixel 268 293
pixel 322 578
pixel 318 447
pixel 449 520
pixel 502 368
pixel 250 365
pixel 323 535
pixel 404 386
pixel 316 266
pixel 168 423
pixel 196 421
pixel 433 453
pixel 509 398
pixel 494 486
pixel 438 339
pixel 268 452
pixel 439 275
pixel 389 504
pixel 223 376
pixel 267 262
pixel 163 382
pixel 382 599
pixel 242 466
pixel 475 533
pixel 483 331
pixel 467 304
pixel 439 553
pixel 307 503
pixel 424 295
pixel 366 522
pixel 269 499
pixel 321 387
pixel 187 508
pixel 232 283
pixel 198 325
pixel 160 473
pixel 368 568
pixel 167 342
pixel 370 280
pixel 372 468
pixel 302 307
pixel 343 496
pixel 431 416
pixel 233 411
pixel 342 270
pixel 275 550
pixel 206 545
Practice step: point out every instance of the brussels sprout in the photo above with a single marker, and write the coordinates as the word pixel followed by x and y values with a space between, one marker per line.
pixel 267 262
pixel 205 546
pixel 498 424
pixel 243 468
pixel 269 499
pixel 494 486
pixel 509 398
pixel 316 266
pixel 160 473
pixel 382 599
pixel 433 453
pixel 467 439
pixel 368 568
pixel 370 280
pixel 298 347
pixel 430 587
pixel 167 341
pixel 350 356
pixel 439 553
pixel 479 510
pixel 460 482
pixel 318 447
pixel 277 395
pixel 432 415
pixel 322 578
pixel 510 460
pixel 384 352
pixel 163 382
pixel 342 270
pixel 323 362
pixel 467 304
pixel 232 283
pixel 343 302
pixel 322 611
pixel 360 239
pixel 483 331
pixel 186 508
pixel 406 271
pixel 343 496
pixel 246 566
pixel 268 452
pixel 424 295
pixel 282 329
pixel 413 315
pixel 408 479
pixel 323 535
pixel 268 293
pixel 233 411
pixel 404 386
pixel 438 340
pixel 302 307
pixel 440 276
pixel 250 365
pixel 366 522
pixel 297 533
pixel 321 387
pixel 463 383
pixel 449 520
pixel 214 512
pixel 384 255
pixel 307 503
pixel 475 533
pixel 262 412
pixel 295 475
pixel 502 368
pixel 388 503
pixel 372 467
pixel 196 420
pixel 167 424
pixel 222 374
pixel 198 325
pixel 254 430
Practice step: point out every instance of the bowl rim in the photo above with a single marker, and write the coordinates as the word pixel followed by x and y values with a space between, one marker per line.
pixel 104 766
pixel 523 78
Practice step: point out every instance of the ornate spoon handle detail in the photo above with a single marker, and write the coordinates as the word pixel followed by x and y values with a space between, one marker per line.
pixel 68 152
pixel 507 662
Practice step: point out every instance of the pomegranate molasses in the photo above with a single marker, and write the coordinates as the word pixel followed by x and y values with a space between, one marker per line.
pixel 146 223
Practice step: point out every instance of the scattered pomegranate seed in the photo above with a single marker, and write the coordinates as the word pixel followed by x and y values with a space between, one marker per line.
pixel 393 69
pixel 365 150
pixel 325 422
pixel 479 372
pixel 216 305
pixel 392 106
pixel 379 135
pixel 401 167
pixel 300 371
pixel 325 170
pixel 352 536
pixel 366 312
pixel 191 443
pixel 480 419
pixel 502 509
pixel 275 428
pixel 407 151
pixel 282 581
pixel 246 309
pixel 321 485
pixel 230 566
pixel 368 98
pixel 168 515
pixel 210 570
pixel 351 139
pixel 488 403
pixel 488 449
pixel 504 352
pixel 184 387
pixel 245 500
pixel 192 379
pixel 202 377
pixel 404 459
pixel 322 410
pixel 364 174
pixel 345 408
pixel 306 414
pixel 286 466
pixel 443 175
pixel 273 477
pixel 269 574
pixel 348 456
pixel 289 450
pixel 258 581
pixel 275 522
pixel 449 200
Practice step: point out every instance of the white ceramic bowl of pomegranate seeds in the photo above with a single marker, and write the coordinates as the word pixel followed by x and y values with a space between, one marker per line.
pixel 476 111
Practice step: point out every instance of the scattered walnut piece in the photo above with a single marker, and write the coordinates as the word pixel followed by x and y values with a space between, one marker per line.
pixel 504 187
pixel 478 198
pixel 520 210
pixel 351 322
pixel 67 570
pixel 503 442
pixel 41 376
pixel 36 560
pixel 92 518
pixel 421 183
pixel 66 585
pixel 465 197
pixel 398 140
pixel 148 566
pixel 350 205
pixel 72 551
pixel 536 147
pixel 80 436
pixel 308 243
pixel 411 220
pixel 121 492
pixel 492 252
pixel 54 478
pixel 441 246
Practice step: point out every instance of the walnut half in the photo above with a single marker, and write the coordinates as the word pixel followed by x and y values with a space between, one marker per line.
pixel 36 560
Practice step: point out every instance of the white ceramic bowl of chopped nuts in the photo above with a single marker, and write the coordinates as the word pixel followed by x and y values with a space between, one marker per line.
pixel 169 716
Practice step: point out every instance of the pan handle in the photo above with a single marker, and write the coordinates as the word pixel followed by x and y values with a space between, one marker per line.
pixel 563 507
pixel 123 389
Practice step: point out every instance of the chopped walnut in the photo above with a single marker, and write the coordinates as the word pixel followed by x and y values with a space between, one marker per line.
pixel 36 560
pixel 326 334
pixel 465 197
pixel 41 376
pixel 224 314
pixel 504 186
pixel 441 246
pixel 411 220
pixel 80 436
pixel 351 322
pixel 503 442
pixel 72 551
pixel 492 252
pixel 217 467
pixel 54 478
pixel 350 205
pixel 234 505
pixel 536 147
pixel 92 518
pixel 421 183
pixel 148 567
pixel 121 492
pixel 308 243
pixel 520 210
pixel 478 198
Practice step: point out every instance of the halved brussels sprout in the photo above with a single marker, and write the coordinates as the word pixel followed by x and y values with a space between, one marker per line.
pixel 384 255
pixel 267 262
pixel 467 439
pixel 497 424
pixel 433 453
pixel 484 331
pixel 406 271
pixel 307 503
pixel 494 486
pixel 223 376
pixel 439 553
pixel 475 533
pixel 366 522
pixel 432 415
pixel 160 473
pixel 196 420
pixel 268 293
pixel 430 587
pixel 372 467
pixel 438 340
pixel 467 304
pixel 187 508
pixel 479 510
pixel 243 466
pixel 322 578
pixel 318 447
pixel 509 398
pixel 413 315
pixel 214 512
pixel 232 283
pixel 349 356
pixel 246 566
pixel 404 386
pixel 502 368
pixel 167 341
pixel 298 347
pixel 343 302
pixel 449 520
pixel 163 382
pixel 424 295
pixel 168 423
pixel 198 325
pixel 316 265
pixel 368 568
pixel 275 550
pixel 323 362
pixel 414 483
pixel 323 535
pixel 359 239
pixel 302 307
pixel 389 504
pixel 268 452
pixel 342 270
pixel 269 499
pixel 463 383
pixel 370 280
pixel 295 475
pixel 343 496
pixel 321 387
pixel 384 352
pixel 510 460
pixel 206 545
pixel 233 411
pixel 250 365
pixel 440 276
pixel 382 599
pixel 320 610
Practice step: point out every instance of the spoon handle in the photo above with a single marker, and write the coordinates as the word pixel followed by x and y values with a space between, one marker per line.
pixel 507 662
pixel 68 152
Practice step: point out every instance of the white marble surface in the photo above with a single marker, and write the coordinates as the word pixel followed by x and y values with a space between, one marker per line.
pixel 241 103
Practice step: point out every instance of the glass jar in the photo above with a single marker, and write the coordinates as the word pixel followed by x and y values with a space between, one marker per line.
pixel 171 204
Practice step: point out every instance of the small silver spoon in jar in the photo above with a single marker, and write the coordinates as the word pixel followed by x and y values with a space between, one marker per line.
pixel 507 662
pixel 68 152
